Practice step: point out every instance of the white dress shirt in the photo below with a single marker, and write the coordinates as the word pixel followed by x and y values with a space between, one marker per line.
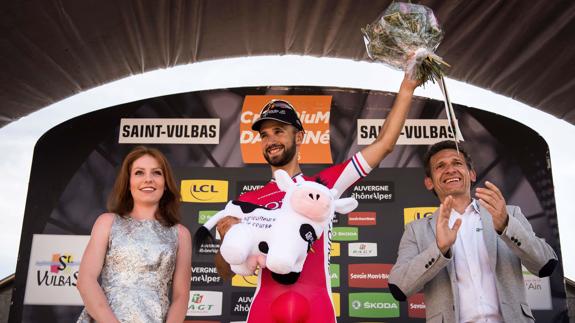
pixel 478 300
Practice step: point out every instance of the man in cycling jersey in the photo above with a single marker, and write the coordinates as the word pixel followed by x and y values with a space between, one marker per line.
pixel 282 133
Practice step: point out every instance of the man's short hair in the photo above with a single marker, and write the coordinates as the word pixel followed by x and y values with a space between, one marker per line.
pixel 447 144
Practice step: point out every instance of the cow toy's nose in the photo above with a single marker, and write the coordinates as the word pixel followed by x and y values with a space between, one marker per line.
pixel 311 203
pixel 315 198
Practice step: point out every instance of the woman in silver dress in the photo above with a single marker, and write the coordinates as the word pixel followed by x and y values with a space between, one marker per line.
pixel 139 249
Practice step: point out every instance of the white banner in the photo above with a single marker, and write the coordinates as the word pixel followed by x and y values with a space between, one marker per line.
pixel 414 132
pixel 538 291
pixel 205 303
pixel 53 269
pixel 169 131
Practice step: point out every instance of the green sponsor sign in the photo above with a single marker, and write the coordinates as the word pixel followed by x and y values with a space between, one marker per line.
pixel 205 215
pixel 373 305
pixel 345 234
pixel 334 275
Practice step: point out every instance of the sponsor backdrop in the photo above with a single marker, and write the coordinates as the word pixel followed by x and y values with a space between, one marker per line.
pixel 206 136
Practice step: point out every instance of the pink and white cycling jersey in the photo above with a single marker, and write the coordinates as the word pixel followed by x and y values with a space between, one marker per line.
pixel 274 302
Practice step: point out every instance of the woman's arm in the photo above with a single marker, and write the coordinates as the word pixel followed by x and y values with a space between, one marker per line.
pixel 90 268
pixel 182 277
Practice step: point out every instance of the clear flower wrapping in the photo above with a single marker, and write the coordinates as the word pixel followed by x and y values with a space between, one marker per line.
pixel 405 36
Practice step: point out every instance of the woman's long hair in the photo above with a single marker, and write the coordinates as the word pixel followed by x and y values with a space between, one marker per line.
pixel 121 201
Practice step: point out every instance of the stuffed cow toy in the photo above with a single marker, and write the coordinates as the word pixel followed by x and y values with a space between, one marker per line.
pixel 277 239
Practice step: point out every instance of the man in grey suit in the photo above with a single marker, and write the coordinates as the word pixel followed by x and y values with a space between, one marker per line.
pixel 467 256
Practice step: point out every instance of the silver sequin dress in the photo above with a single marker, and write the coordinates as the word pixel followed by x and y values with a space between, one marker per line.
pixel 138 268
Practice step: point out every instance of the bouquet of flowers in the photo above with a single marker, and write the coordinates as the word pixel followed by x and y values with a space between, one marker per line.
pixel 405 36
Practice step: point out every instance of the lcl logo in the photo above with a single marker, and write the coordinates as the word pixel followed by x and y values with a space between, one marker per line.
pixel 416 213
pixel 204 191
pixel 420 215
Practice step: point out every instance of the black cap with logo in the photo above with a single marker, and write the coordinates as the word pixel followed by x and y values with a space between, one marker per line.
pixel 278 110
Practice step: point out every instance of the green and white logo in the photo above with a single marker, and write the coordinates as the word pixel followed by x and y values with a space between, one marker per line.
pixel 345 234
pixel 205 215
pixel 334 275
pixel 373 305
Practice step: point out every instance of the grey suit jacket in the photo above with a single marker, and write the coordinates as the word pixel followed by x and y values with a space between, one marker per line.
pixel 421 266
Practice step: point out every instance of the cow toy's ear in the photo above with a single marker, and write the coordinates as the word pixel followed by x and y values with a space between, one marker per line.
pixel 283 180
pixel 345 205
pixel 334 192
